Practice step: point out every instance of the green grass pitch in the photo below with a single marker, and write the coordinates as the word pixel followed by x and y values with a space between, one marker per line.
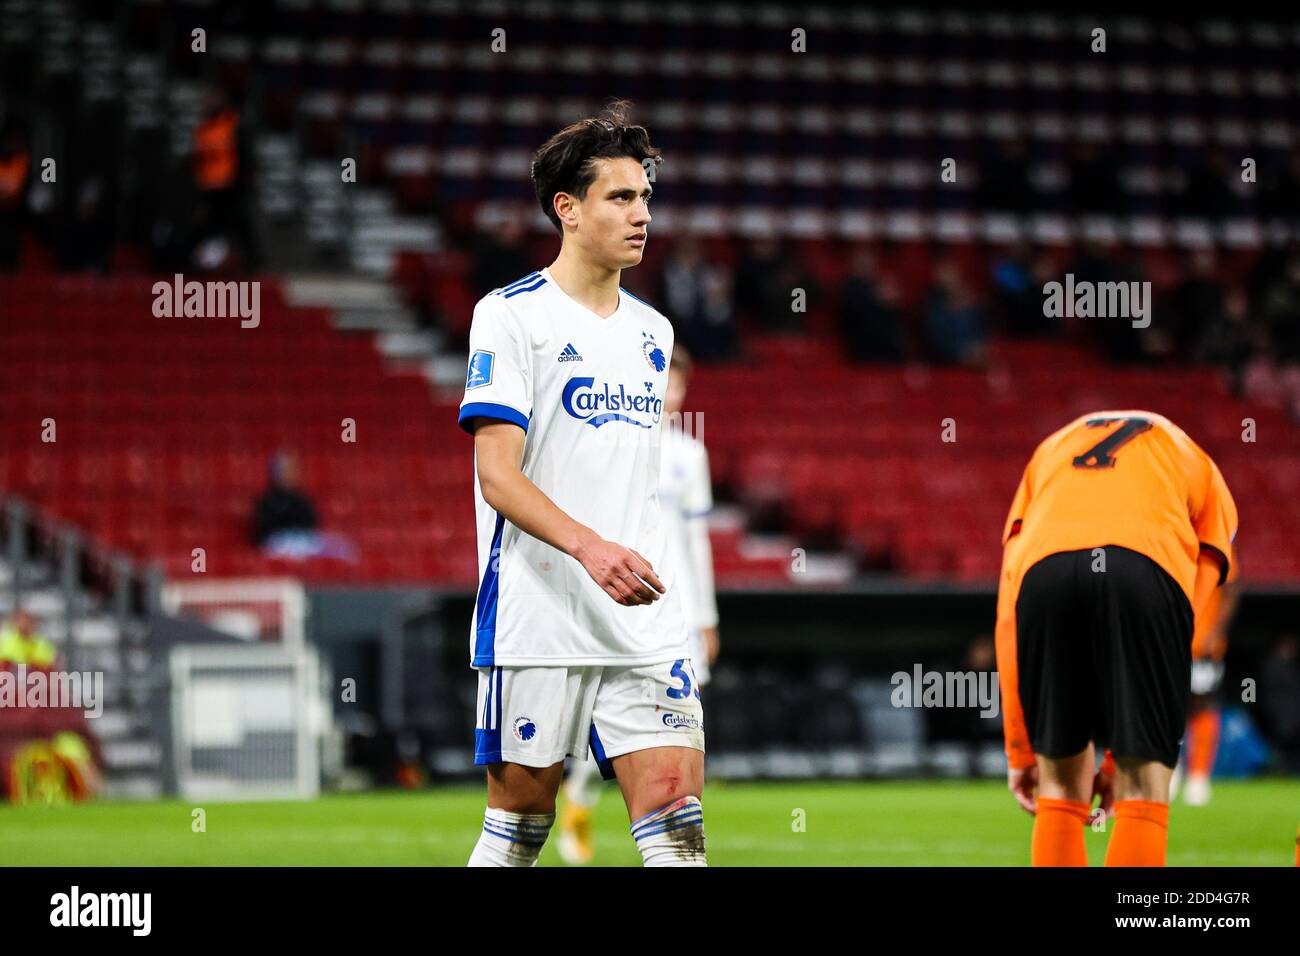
pixel 916 823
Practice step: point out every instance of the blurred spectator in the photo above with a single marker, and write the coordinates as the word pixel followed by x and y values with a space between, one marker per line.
pixel 869 313
pixel 88 238
pixel 221 172
pixel 89 223
pixel 1195 304
pixel 1263 380
pixel 1284 193
pixel 1094 181
pixel 1280 312
pixel 1005 184
pixel 1097 262
pixel 1019 277
pixel 21 643
pixel 955 330
pixel 1206 192
pixel 15 165
pixel 284 518
pixel 968 725
pixel 1229 339
pixel 1279 693
pixel 697 296
pixel 766 278
pixel 282 507
pixel 500 259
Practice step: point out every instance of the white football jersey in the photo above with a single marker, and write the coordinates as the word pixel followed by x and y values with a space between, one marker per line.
pixel 589 394
pixel 686 498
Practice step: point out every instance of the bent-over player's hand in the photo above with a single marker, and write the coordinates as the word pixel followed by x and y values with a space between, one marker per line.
pixel 1103 785
pixel 1023 783
pixel 621 572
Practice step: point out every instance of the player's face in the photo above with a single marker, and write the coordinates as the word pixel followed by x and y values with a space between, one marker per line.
pixel 615 216
pixel 676 395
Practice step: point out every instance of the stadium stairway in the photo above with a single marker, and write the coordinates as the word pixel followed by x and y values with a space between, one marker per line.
pixel 90 638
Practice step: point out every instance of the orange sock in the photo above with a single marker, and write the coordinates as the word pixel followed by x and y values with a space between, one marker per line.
pixel 1297 848
pixel 1140 835
pixel 1058 833
pixel 1202 742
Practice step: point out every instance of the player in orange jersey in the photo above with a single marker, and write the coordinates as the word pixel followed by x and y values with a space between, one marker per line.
pixel 1120 531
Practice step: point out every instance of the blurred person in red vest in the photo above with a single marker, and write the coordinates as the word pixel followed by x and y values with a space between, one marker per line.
pixel 21 644
pixel 15 165
pixel 221 175
pixel 48 753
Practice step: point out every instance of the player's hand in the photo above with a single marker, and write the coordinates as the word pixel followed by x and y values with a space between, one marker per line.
pixel 1023 783
pixel 622 573
pixel 711 643
pixel 1103 785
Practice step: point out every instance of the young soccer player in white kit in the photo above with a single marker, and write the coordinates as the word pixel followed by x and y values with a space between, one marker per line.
pixel 579 637
pixel 685 500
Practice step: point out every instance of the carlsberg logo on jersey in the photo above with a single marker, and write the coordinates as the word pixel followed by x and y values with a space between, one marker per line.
pixel 598 403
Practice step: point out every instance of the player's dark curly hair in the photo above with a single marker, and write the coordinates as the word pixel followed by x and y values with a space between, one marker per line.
pixel 566 163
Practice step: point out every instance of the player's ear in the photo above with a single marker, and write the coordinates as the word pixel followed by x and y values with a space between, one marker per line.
pixel 566 207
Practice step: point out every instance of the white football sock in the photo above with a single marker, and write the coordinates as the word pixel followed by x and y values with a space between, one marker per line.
pixel 511 839
pixel 672 835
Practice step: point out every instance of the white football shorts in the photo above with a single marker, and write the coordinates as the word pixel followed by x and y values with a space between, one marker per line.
pixel 537 716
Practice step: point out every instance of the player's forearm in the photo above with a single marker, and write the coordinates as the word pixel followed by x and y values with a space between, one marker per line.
pixel 1208 573
pixel 512 495
pixel 1228 604
pixel 1015 734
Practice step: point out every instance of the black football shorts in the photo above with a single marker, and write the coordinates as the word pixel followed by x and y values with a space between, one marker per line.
pixel 1104 655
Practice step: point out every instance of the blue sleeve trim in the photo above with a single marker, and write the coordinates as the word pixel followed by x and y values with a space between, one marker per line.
pixel 491 410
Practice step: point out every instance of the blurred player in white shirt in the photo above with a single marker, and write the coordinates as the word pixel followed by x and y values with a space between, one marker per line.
pixel 685 500
pixel 579 636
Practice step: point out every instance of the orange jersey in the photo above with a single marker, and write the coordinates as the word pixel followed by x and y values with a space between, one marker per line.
pixel 1132 479
pixel 216 150
pixel 13 173
pixel 1209 642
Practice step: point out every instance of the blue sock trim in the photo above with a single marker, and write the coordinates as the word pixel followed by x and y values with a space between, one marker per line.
pixel 524 828
pixel 677 825
pixel 689 806
pixel 512 839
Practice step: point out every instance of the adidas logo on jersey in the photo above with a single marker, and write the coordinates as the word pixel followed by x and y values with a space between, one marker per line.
pixel 570 354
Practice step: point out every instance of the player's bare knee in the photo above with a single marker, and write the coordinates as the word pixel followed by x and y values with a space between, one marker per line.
pixel 521 790
pixel 1140 779
pixel 671 788
pixel 523 804
pixel 1066 778
pixel 659 790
